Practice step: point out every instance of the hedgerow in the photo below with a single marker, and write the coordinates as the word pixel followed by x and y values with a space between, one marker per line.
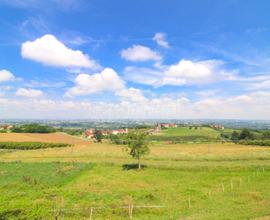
pixel 30 145
pixel 255 142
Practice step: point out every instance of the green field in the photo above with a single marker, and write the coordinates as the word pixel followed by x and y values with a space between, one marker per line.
pixel 185 134
pixel 185 131
pixel 184 181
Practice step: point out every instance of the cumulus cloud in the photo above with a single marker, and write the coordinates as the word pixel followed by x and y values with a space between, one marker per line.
pixel 6 75
pixel 185 72
pixel 131 94
pixel 160 39
pixel 48 50
pixel 30 93
pixel 107 80
pixel 139 53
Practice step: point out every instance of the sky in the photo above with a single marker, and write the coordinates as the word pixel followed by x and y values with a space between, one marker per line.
pixel 137 59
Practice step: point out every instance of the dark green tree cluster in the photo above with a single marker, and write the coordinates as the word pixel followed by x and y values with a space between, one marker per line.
pixel 245 134
pixel 98 136
pixel 32 128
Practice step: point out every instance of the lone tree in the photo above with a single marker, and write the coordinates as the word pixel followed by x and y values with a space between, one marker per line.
pixel 98 136
pixel 137 146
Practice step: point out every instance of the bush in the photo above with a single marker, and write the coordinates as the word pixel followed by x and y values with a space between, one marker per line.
pixel 30 145
pixel 255 142
pixel 182 139
pixel 33 128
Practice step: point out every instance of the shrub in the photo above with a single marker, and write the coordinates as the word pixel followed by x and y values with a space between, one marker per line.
pixel 255 142
pixel 30 145
pixel 32 128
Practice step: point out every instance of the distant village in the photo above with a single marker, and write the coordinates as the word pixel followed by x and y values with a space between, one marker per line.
pixel 156 130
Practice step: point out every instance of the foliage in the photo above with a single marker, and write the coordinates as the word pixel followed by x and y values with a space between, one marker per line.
pixel 30 145
pixel 246 134
pixel 32 128
pixel 255 142
pixel 235 136
pixel 137 145
pixel 98 136
pixel 120 139
pixel 182 139
pixel 266 135
pixel 71 131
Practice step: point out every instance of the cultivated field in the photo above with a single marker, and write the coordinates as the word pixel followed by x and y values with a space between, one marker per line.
pixel 53 138
pixel 182 181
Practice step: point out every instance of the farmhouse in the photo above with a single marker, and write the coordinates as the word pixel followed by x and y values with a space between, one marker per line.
pixel 89 133
pixel 169 125
pixel 6 127
pixel 106 132
pixel 217 126
pixel 120 131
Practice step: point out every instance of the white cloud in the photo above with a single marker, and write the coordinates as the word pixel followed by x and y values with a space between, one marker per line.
pixel 107 80
pixel 185 72
pixel 254 105
pixel 30 93
pixel 131 94
pixel 6 75
pixel 160 39
pixel 48 50
pixel 140 53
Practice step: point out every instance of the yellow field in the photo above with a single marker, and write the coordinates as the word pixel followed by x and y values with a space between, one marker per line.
pixel 160 154
pixel 54 138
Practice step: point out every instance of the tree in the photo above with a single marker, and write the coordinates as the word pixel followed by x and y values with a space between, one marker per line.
pixel 98 136
pixel 266 135
pixel 137 145
pixel 235 136
pixel 246 134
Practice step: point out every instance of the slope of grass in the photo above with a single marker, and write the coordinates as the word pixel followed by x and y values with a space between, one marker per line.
pixel 37 189
pixel 92 175
pixel 185 131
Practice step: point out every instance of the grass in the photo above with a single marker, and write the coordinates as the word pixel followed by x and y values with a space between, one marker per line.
pixel 186 135
pixel 92 175
pixel 185 132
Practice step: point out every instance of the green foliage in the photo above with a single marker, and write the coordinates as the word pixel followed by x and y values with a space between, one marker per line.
pixel 98 136
pixel 235 136
pixel 255 142
pixel 246 134
pixel 120 139
pixel 74 132
pixel 32 128
pixel 182 139
pixel 266 135
pixel 137 145
pixel 30 145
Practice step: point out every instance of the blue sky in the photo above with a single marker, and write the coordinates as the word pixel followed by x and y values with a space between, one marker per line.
pixel 134 59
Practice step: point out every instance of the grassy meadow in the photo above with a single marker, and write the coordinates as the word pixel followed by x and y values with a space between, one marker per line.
pixel 185 181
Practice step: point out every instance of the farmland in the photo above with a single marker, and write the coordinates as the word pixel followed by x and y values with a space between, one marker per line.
pixel 185 181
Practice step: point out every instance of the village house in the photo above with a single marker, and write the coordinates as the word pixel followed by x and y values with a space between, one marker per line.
pixel 106 132
pixel 217 126
pixel 89 133
pixel 169 125
pixel 6 127
pixel 120 131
